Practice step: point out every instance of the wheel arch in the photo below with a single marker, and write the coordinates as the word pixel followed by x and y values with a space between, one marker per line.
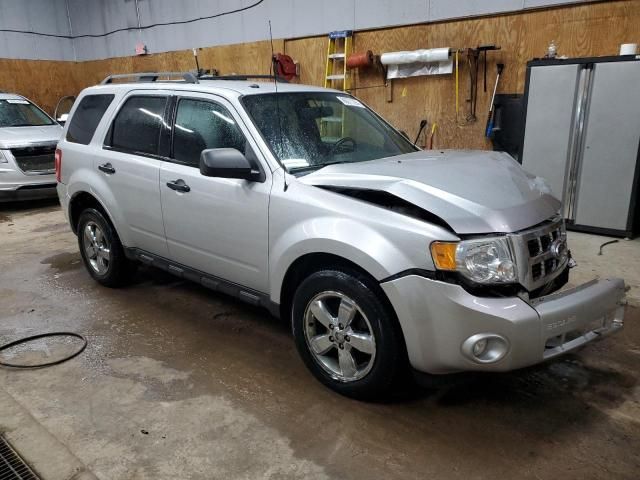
pixel 79 202
pixel 309 263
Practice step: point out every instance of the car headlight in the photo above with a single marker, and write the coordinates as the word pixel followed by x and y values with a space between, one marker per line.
pixel 482 260
pixel 3 158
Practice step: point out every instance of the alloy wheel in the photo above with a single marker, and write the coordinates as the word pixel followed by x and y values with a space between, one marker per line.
pixel 96 247
pixel 339 336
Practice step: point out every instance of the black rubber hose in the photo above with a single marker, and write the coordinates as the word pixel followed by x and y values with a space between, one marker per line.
pixel 605 244
pixel 44 335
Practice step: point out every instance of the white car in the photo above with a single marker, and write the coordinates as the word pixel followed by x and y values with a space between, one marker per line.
pixel 28 138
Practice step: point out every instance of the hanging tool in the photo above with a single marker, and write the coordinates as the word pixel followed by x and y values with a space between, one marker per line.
pixel 195 56
pixel 423 124
pixel 484 88
pixel 472 60
pixel 433 132
pixel 201 72
pixel 490 119
pixel 457 58
pixel 337 52
pixel 457 53
pixel 484 49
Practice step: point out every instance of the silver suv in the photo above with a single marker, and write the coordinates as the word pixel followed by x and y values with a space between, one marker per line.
pixel 306 202
pixel 28 138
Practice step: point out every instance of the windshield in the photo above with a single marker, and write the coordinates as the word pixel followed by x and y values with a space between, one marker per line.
pixel 322 128
pixel 17 112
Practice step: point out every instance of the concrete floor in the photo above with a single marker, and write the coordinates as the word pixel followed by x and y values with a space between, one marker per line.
pixel 180 382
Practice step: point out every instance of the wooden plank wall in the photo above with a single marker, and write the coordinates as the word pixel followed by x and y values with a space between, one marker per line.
pixel 228 59
pixel 582 30
pixel 42 81
pixel 586 30
pixel 46 81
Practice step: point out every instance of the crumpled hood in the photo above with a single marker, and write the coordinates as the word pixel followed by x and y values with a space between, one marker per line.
pixel 473 191
pixel 11 137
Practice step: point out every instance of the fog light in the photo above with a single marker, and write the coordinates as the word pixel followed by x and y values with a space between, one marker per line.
pixel 479 347
pixel 485 348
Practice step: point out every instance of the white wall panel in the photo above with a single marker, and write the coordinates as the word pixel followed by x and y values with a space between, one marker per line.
pixel 101 16
pixel 338 15
pixel 289 18
pixel 47 16
pixel 17 45
pixel 308 18
pixel 282 16
pixel 381 13
pixel 443 9
pixel 546 3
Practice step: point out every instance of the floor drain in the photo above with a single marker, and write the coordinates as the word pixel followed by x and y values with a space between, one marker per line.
pixel 12 467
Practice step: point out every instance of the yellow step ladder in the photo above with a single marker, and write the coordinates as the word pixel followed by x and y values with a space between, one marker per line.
pixel 336 74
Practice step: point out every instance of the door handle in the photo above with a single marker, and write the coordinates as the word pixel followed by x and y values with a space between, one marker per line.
pixel 179 186
pixel 107 168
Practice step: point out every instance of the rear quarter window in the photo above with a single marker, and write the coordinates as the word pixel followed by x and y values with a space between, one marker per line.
pixel 86 118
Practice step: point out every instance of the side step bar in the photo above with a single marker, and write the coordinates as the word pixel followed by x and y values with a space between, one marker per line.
pixel 212 282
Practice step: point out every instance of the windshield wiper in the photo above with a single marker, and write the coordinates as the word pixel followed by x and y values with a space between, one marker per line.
pixel 22 125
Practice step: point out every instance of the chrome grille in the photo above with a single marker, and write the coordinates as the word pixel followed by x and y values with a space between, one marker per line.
pixel 541 253
pixel 37 159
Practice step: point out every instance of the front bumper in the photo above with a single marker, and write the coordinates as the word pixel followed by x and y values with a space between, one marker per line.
pixel 437 318
pixel 28 192
pixel 16 185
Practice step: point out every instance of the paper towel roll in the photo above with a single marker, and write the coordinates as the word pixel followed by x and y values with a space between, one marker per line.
pixel 415 56
pixel 628 49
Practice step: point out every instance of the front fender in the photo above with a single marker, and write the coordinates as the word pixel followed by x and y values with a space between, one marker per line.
pixel 333 235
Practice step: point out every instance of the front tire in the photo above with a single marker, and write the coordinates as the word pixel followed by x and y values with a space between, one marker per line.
pixel 347 334
pixel 101 250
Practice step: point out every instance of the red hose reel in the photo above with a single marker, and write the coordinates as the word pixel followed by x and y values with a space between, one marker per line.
pixel 284 66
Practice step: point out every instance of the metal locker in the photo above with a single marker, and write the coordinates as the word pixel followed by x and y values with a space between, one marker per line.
pixel 549 123
pixel 612 135
pixel 582 134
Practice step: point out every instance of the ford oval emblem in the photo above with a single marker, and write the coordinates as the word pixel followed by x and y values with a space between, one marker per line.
pixel 559 248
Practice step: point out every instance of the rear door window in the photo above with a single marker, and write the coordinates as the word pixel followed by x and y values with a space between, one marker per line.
pixel 86 118
pixel 138 125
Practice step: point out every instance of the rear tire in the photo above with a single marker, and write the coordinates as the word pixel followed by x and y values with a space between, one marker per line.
pixel 101 250
pixel 347 335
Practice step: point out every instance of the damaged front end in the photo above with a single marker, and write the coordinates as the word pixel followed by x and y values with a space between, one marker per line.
pixel 391 202
pixel 541 253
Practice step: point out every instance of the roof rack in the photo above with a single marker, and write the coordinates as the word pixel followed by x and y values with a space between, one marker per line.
pixel 242 77
pixel 188 77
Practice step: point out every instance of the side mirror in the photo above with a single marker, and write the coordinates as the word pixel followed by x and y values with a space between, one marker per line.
pixel 226 163
pixel 62 119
